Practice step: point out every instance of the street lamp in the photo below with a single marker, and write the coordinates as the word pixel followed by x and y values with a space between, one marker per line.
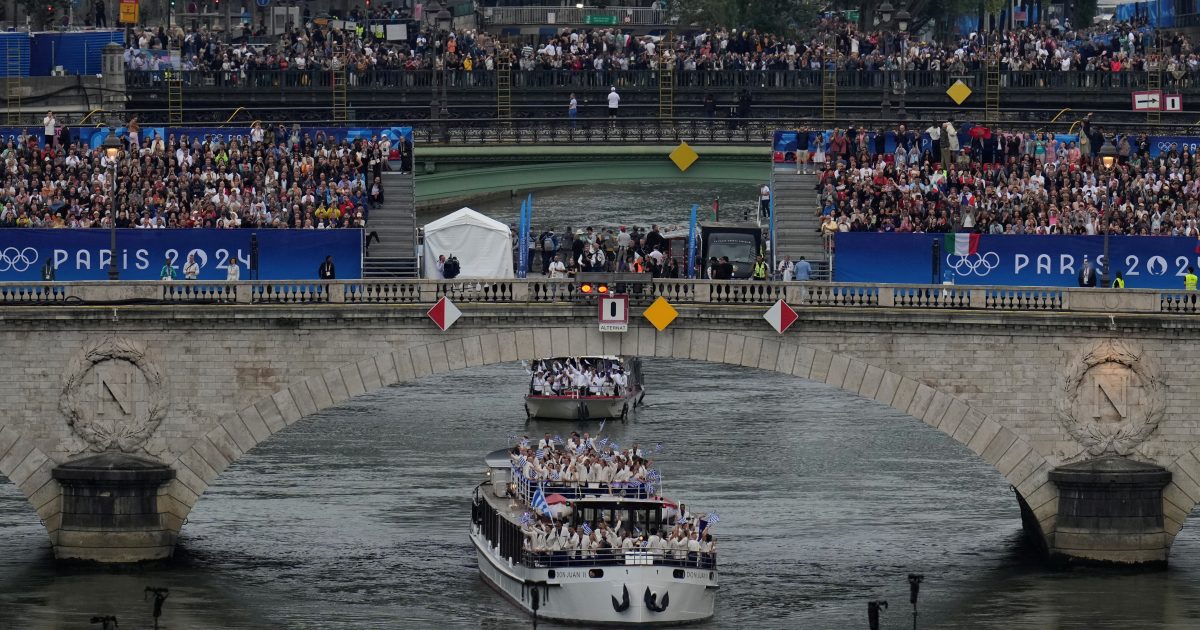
pixel 888 19
pixel 112 151
pixel 902 18
pixel 1108 160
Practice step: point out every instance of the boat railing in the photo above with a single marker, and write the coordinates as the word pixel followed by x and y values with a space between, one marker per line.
pixel 527 488
pixel 619 557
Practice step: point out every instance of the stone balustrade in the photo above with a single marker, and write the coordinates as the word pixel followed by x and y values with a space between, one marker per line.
pixel 544 292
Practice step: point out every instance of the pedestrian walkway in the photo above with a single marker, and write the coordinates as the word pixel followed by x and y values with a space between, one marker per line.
pixel 797 229
pixel 395 222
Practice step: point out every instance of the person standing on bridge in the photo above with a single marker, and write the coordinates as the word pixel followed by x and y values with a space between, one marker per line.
pixel 326 270
pixel 760 268
pixel 764 201
pixel 614 101
pixel 1087 275
pixel 1189 282
pixel 787 269
pixel 803 270
pixel 573 109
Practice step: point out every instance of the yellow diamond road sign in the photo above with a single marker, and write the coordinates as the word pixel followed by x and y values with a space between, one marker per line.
pixel 958 92
pixel 684 156
pixel 661 313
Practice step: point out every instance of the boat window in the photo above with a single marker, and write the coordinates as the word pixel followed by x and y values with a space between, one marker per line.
pixel 595 573
pixel 678 574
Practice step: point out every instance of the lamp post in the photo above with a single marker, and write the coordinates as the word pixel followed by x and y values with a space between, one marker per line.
pixel 899 20
pixel 1108 161
pixel 445 21
pixel 112 151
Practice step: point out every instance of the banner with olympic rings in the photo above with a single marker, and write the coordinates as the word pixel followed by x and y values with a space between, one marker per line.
pixel 1146 262
pixel 81 254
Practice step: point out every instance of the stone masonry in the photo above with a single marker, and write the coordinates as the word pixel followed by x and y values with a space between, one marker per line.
pixel 198 386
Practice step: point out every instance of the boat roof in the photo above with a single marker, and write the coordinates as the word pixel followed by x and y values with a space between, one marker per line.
pixel 609 357
pixel 498 458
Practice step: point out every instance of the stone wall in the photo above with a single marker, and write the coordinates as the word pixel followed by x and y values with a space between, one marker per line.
pixel 198 386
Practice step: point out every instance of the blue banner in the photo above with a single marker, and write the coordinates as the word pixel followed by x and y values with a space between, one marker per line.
pixel 79 254
pixel 523 240
pixel 94 136
pixel 691 245
pixel 1147 262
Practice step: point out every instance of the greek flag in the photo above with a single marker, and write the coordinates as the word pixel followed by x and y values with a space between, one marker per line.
pixel 658 447
pixel 712 518
pixel 635 483
pixel 556 476
pixel 587 529
pixel 557 440
pixel 653 475
pixel 615 446
pixel 581 449
pixel 541 453
pixel 602 442
pixel 539 500
pixel 524 443
pixel 525 518
pixel 601 426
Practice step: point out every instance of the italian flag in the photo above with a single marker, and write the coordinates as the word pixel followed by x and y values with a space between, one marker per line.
pixel 960 244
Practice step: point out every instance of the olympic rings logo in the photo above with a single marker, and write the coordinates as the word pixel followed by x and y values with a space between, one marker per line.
pixel 976 264
pixel 17 259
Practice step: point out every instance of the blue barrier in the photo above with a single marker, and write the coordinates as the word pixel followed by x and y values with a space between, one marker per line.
pixel 94 136
pixel 84 254
pixel 1148 262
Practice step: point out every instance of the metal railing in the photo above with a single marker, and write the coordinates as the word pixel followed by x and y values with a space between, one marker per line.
pixel 577 490
pixel 564 293
pixel 564 15
pixel 483 81
pixel 619 557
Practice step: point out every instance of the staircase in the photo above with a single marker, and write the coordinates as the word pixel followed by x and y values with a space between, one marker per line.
pixel 796 222
pixel 395 255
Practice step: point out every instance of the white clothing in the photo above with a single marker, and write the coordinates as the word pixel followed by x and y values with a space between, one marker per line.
pixel 614 100
pixel 233 271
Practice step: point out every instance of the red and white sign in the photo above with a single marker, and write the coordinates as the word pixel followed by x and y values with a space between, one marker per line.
pixel 1172 102
pixel 1150 101
pixel 614 313
pixel 444 313
pixel 780 316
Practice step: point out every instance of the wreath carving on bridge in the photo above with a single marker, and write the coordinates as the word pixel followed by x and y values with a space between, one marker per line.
pixel 113 396
pixel 1112 400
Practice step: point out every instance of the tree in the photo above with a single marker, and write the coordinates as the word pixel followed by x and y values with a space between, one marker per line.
pixel 770 16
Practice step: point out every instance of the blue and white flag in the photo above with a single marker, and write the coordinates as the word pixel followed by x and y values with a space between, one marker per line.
pixel 525 518
pixel 541 453
pixel 601 426
pixel 615 446
pixel 524 443
pixel 556 476
pixel 712 518
pixel 539 500
pixel 587 529
pixel 658 447
pixel 581 449
pixel 602 442
pixel 557 440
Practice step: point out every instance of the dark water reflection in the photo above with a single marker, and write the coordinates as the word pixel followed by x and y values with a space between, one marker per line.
pixel 357 518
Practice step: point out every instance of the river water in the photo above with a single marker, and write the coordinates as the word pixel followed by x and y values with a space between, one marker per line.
pixel 358 518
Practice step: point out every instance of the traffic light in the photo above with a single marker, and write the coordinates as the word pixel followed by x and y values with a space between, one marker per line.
pixel 589 288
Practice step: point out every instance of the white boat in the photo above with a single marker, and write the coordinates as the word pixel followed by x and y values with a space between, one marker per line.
pixel 572 403
pixel 606 587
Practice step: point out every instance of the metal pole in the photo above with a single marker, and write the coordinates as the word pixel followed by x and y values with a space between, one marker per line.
pixel 886 106
pixel 113 274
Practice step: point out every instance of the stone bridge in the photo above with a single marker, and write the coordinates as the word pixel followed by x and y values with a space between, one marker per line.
pixel 125 401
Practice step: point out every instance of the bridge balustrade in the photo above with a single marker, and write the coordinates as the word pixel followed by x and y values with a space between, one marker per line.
pixel 542 291
pixel 619 557
pixel 480 80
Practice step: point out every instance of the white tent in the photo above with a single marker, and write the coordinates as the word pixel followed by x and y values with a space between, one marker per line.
pixel 482 245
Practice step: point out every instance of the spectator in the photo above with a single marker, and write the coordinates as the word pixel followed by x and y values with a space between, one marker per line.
pixel 326 270
pixel 803 271
pixel 614 101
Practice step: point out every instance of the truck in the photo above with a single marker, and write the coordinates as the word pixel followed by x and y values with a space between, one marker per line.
pixel 741 242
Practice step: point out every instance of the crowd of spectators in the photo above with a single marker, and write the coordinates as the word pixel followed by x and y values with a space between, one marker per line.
pixel 273 178
pixel 998 181
pixel 1107 48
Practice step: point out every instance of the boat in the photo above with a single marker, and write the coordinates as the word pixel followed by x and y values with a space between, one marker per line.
pixel 648 583
pixel 615 400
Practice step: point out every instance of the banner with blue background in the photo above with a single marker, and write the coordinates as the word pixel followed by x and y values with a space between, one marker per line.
pixel 84 254
pixel 1147 262
pixel 94 136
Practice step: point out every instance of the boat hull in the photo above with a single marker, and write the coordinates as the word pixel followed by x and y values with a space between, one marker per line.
pixel 581 408
pixel 572 596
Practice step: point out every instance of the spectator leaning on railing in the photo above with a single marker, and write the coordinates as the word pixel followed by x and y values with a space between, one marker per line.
pixel 181 181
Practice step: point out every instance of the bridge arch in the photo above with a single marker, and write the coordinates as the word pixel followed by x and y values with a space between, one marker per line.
pixel 234 435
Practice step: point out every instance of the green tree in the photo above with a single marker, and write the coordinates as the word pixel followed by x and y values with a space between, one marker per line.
pixel 772 16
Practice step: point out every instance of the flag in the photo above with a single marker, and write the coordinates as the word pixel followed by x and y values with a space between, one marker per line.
pixel 587 529
pixel 539 500
pixel 601 426
pixel 615 446
pixel 960 244
pixel 712 518
pixel 658 448
pixel 541 453
pixel 692 244
pixel 581 449
pixel 556 476
pixel 525 518
pixel 557 440
pixel 524 443
pixel 602 442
